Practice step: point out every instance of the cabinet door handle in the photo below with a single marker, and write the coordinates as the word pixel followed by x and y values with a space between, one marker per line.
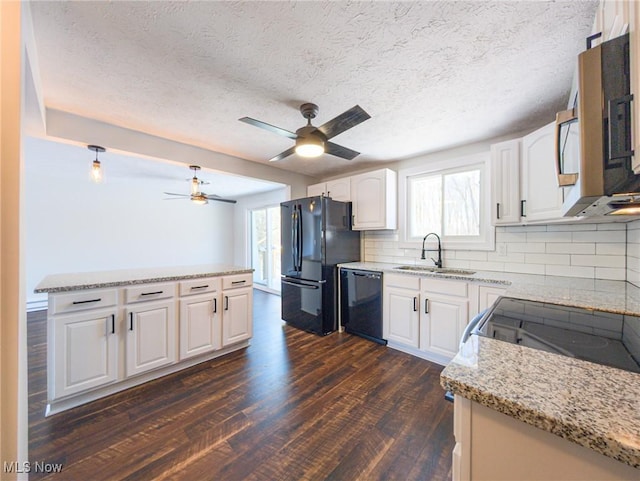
pixel 113 323
pixel 238 282
pixel 199 287
pixel 151 293
pixel 90 300
pixel 131 321
pixel 523 212
pixel 415 304
pixel 426 306
pixel 215 305
pixel 226 303
pixel 497 210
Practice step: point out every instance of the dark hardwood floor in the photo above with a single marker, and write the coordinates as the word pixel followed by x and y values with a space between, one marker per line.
pixel 292 406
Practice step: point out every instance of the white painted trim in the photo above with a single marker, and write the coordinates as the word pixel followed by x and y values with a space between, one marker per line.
pixel 429 356
pixel 39 305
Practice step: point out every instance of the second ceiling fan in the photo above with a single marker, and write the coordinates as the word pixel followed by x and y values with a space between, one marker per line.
pixel 313 141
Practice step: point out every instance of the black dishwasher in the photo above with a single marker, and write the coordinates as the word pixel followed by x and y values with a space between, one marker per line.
pixel 361 303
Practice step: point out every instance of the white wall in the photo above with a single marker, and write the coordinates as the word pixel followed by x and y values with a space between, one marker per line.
pixel 73 225
pixel 633 252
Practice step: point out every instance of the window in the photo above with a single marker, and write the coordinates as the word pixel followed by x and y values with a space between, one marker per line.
pixel 449 199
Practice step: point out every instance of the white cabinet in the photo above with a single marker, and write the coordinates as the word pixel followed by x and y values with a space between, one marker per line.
pixel 151 336
pixel 237 313
pixel 541 196
pixel 338 189
pixel 491 445
pixel 83 355
pixel 488 295
pixel 374 199
pixel 505 182
pixel 444 315
pixel 401 316
pixel 200 319
pixel 425 316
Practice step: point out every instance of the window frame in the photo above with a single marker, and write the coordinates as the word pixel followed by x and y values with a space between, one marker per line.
pixel 485 241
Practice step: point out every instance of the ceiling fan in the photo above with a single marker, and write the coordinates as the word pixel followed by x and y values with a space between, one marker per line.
pixel 314 141
pixel 196 195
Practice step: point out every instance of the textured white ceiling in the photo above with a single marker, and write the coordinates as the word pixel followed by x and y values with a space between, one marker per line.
pixel 432 75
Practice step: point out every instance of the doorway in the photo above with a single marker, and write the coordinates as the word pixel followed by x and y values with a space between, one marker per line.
pixel 265 247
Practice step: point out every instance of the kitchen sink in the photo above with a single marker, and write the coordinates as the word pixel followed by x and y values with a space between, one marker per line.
pixel 435 270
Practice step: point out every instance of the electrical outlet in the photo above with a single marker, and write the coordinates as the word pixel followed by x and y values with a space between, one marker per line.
pixel 502 249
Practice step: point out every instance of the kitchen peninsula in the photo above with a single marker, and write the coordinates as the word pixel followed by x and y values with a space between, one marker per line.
pixel 108 331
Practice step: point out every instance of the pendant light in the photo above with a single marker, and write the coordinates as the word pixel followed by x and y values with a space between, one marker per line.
pixel 96 168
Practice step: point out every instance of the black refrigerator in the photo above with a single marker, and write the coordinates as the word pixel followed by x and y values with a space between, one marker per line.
pixel 316 236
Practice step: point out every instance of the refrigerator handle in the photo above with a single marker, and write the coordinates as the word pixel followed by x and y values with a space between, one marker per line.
pixel 294 237
pixel 300 227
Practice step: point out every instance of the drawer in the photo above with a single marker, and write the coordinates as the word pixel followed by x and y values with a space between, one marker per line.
pixel 199 286
pixel 239 280
pixel 450 288
pixel 149 292
pixel 80 300
pixel 402 281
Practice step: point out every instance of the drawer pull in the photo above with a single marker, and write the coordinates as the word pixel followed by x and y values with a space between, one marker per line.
pixel 151 293
pixel 113 323
pixel 90 300
pixel 199 287
pixel 238 282
pixel 131 321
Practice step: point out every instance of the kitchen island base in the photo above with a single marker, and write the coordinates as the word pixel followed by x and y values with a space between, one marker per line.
pixel 492 446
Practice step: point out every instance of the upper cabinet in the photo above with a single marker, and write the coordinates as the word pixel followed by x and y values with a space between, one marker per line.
pixel 541 196
pixel 373 196
pixel 338 189
pixel 505 184
pixel 524 181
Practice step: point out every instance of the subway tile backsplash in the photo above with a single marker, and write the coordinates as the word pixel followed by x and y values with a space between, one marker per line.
pixel 597 251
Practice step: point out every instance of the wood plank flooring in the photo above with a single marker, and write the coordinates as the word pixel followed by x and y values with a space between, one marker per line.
pixel 292 406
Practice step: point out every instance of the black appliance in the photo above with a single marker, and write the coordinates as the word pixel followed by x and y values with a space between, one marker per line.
pixel 316 236
pixel 361 303
pixel 597 336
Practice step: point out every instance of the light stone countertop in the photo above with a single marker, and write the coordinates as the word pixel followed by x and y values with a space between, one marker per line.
pixel 589 404
pixel 94 280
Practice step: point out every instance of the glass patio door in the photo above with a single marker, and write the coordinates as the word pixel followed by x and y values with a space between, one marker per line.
pixel 265 247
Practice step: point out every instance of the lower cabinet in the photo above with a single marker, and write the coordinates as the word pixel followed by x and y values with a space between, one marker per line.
pixel 426 316
pixel 490 445
pixel 104 341
pixel 83 354
pixel 151 332
pixel 401 316
pixel 237 314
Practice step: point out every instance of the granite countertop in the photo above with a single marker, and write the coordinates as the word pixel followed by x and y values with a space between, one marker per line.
pixel 94 280
pixel 589 404
pixel 612 296
pixel 592 405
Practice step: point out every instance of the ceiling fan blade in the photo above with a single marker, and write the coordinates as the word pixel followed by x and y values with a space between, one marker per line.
pixel 352 117
pixel 180 195
pixel 340 151
pixel 220 199
pixel 266 126
pixel 284 154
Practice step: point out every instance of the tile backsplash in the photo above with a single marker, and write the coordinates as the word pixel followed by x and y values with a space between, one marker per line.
pixel 596 251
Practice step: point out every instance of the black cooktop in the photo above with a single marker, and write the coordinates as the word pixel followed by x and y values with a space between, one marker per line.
pixel 597 336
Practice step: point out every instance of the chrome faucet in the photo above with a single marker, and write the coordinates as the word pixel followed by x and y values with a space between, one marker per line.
pixel 438 262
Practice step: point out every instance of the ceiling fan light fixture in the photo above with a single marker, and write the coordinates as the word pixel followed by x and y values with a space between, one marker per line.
pixel 199 199
pixel 309 146
pixel 96 169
